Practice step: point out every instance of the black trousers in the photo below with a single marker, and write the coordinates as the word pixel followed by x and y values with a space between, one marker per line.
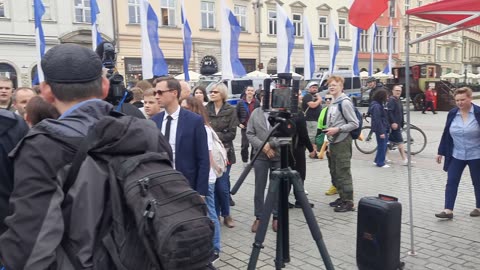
pixel 298 162
pixel 244 146
pixel 428 104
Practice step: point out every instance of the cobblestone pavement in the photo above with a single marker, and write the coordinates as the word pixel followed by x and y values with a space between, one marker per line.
pixel 439 244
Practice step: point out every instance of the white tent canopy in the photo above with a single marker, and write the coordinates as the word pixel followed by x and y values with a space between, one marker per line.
pixel 381 75
pixel 257 74
pixel 451 75
pixel 194 76
pixel 364 74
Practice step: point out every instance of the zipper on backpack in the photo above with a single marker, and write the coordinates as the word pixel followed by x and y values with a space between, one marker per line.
pixel 149 212
pixel 144 185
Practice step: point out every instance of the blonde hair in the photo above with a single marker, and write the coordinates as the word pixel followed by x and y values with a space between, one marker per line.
pixel 137 93
pixel 463 90
pixel 149 92
pixel 222 90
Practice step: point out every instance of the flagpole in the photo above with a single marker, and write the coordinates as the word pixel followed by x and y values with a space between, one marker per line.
pixel 407 95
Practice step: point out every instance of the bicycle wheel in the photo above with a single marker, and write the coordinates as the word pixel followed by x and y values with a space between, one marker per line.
pixel 418 139
pixel 369 143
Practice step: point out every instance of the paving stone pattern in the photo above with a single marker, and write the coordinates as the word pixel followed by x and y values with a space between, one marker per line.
pixel 438 244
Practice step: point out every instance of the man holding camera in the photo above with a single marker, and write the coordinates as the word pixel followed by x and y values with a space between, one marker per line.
pixel 311 106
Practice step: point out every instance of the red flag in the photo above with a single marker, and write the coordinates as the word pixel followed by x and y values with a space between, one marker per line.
pixel 364 13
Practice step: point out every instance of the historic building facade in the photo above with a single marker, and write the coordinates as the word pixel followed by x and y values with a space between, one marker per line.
pixel 205 22
pixel 65 21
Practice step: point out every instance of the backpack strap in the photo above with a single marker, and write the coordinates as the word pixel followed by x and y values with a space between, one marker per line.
pixel 341 111
pixel 123 169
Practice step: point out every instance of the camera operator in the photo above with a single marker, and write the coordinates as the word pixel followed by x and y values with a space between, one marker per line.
pixel 118 95
pixel 311 106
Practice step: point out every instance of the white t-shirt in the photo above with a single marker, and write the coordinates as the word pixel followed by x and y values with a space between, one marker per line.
pixel 212 177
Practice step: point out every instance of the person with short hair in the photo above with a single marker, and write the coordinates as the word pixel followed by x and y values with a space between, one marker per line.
pixel 151 106
pixel 6 91
pixel 428 103
pixel 44 219
pixel 185 132
pixel 311 106
pixel 224 121
pixel 137 94
pixel 340 124
pixel 396 121
pixel 20 98
pixel 186 89
pixel 38 109
pixel 244 108
pixel 460 145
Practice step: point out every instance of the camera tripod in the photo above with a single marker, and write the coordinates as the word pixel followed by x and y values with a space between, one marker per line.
pixel 279 186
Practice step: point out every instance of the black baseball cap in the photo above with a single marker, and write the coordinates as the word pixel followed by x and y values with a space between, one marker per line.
pixel 371 79
pixel 71 63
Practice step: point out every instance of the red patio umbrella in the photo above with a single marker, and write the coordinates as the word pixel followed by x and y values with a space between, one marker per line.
pixel 449 11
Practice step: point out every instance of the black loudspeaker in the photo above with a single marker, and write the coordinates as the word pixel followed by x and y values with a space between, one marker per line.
pixel 378 233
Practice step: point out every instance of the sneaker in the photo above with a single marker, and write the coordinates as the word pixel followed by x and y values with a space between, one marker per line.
pixel 306 192
pixel 335 203
pixel 405 162
pixel 388 161
pixel 385 166
pixel 346 206
pixel 215 257
pixel 475 213
pixel 374 163
pixel 331 191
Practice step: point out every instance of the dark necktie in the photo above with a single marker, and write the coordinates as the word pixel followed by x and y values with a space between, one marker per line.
pixel 167 128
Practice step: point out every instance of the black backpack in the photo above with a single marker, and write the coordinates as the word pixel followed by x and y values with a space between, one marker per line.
pixel 153 219
pixel 356 132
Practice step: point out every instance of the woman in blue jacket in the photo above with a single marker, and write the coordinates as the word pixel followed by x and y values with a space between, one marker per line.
pixel 380 126
pixel 460 145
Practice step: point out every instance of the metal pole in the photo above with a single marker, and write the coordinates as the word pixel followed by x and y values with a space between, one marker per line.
pixel 409 156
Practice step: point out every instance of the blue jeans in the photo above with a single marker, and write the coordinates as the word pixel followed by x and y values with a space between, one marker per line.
pixel 222 194
pixel 455 170
pixel 212 214
pixel 381 150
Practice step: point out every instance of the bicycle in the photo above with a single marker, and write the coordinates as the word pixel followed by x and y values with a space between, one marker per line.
pixel 418 140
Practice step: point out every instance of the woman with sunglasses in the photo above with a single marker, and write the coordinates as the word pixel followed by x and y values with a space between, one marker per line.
pixel 224 122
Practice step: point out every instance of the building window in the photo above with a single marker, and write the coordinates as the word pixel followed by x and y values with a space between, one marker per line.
pixel 447 54
pixel 272 22
pixel 167 11
pixel 3 9
pixel 379 41
pixel 429 46
pixel 323 27
pixel 439 54
pixel 207 9
pixel 133 11
pixel 297 25
pixel 241 14
pixel 455 55
pixel 48 13
pixel 419 3
pixel 417 50
pixel 82 11
pixel 364 46
pixel 342 28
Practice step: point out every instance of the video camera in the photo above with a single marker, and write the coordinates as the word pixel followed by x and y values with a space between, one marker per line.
pixel 281 101
pixel 117 92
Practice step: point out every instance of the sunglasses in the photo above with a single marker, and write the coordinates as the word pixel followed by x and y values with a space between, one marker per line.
pixel 214 92
pixel 160 92
pixel 328 98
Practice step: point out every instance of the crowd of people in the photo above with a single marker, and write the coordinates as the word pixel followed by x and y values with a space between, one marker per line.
pixel 72 101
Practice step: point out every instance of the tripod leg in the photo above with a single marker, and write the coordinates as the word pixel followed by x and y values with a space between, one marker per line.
pixel 311 221
pixel 283 216
pixel 264 219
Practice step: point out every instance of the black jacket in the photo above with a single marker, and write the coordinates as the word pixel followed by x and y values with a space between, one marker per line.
pixel 39 222
pixel 242 113
pixel 225 125
pixel 379 118
pixel 12 129
pixel 301 139
pixel 395 111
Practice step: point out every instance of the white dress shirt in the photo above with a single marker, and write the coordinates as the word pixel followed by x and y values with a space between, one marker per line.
pixel 173 129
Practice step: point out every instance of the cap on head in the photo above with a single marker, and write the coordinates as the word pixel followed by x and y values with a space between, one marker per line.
pixel 71 63
pixel 371 79
pixel 312 84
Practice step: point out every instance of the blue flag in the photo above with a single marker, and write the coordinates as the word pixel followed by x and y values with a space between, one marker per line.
pixel 96 37
pixel 232 67
pixel 39 10
pixel 187 43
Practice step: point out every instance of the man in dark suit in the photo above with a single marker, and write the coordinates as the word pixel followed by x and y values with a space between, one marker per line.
pixel 186 134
